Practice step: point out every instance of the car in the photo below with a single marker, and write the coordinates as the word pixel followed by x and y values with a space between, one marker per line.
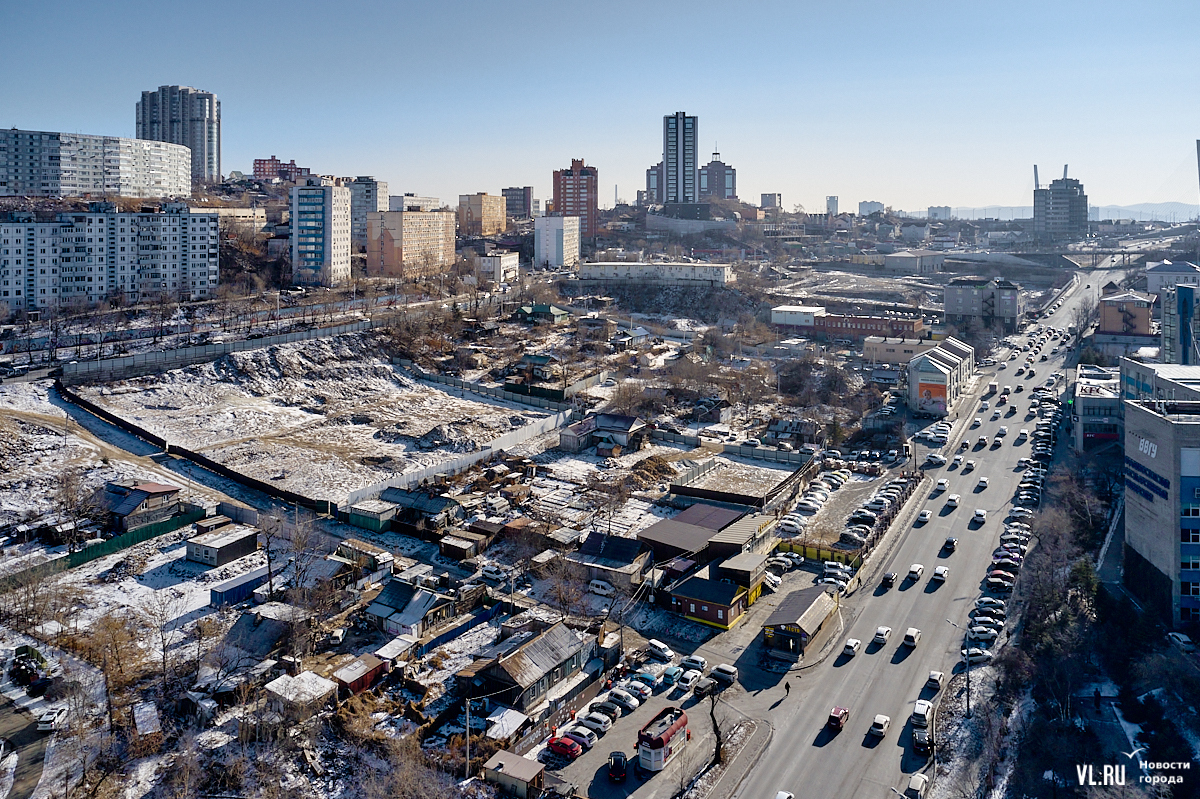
pixel 889 580
pixel 582 735
pixel 52 719
pixel 935 459
pixel 982 633
pixel 968 466
pixel 935 681
pixel 618 765
pixel 996 413
pixel 990 602
pixel 626 700
pixel 659 650
pixel 694 663
pixel 610 709
pixel 977 655
pixel 976 422
pixel 912 636
pixel 838 717
pixel 1180 640
pixel 940 574
pixel 924 516
pixel 957 461
pixel 649 680
pixel 704 687
pixel 922 713
pixel 1006 562
pixel 982 441
pixel 1002 574
pixel 834 566
pixel 882 634
pixel 565 747
pixel 950 544
pixel 942 485
pixel 687 681
pixel 983 406
pixel 840 583
pixel 917 786
pixel 879 726
pixel 636 688
pixel 952 501
pixel 784 795
pixel 988 622
pixel 980 516
pixel 915 571
pixel 998 585
pixel 852 646
pixel 494 572
pixel 989 611
pixel 922 739
pixel 725 672
pixel 601 588
pixel 997 442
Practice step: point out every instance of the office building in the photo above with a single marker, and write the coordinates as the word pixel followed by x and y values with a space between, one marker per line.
pixel 986 303
pixel 1060 211
pixel 35 163
pixel 771 201
pixel 187 116
pixel 272 168
pixel 367 196
pixel 1162 507
pixel 500 266
pixel 85 257
pixel 576 193
pixel 555 242
pixel 409 243
pixel 518 201
pixel 1096 415
pixel 680 159
pixel 938 212
pixel 1180 324
pixel 868 207
pixel 938 377
pixel 831 205
pixel 480 214
pixel 654 185
pixel 413 202
pixel 320 232
pixel 718 179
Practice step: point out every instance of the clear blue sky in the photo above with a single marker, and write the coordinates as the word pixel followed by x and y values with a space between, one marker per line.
pixel 911 104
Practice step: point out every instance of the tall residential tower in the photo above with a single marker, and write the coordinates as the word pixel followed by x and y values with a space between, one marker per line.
pixel 187 116
pixel 576 193
pixel 680 183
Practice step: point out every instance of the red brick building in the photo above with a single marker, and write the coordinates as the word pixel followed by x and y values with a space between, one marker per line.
pixel 268 168
pixel 848 326
pixel 576 193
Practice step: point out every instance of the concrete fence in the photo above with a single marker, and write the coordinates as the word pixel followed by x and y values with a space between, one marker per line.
pixel 675 438
pixel 770 455
pixel 482 390
pixel 694 473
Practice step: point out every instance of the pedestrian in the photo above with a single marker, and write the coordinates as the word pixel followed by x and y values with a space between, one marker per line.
pixel 787 689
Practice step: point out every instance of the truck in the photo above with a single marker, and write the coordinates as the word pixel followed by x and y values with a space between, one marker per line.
pixel 993 387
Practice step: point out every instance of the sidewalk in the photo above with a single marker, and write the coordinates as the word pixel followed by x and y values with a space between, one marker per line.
pixel 746 758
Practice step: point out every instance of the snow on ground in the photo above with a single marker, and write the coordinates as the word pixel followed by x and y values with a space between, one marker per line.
pixel 320 417
pixel 741 476
pixel 448 659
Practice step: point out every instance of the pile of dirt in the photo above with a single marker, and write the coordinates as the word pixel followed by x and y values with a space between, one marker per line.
pixel 650 471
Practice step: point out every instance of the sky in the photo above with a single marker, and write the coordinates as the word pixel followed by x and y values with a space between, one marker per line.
pixel 909 104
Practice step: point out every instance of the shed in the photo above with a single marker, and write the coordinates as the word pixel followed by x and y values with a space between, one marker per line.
pixel 797 619
pixel 516 775
pixel 301 696
pixel 145 719
pixel 361 673
pixel 236 589
pixel 222 546
pixel 462 544
pixel 372 514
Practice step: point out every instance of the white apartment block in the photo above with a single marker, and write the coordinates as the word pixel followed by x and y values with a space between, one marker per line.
pixel 367 196
pixel 36 163
pixel 555 241
pixel 663 274
pixel 84 257
pixel 412 202
pixel 410 243
pixel 320 213
pixel 500 266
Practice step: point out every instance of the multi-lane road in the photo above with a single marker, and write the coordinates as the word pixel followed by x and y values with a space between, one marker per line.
pixel 804 757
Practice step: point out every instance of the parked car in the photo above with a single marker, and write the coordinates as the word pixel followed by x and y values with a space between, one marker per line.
pixel 659 650
pixel 725 672
pixel 626 700
pixel 596 721
pixel 694 662
pixel 618 765
pixel 689 679
pixel 922 713
pixel 565 747
pixel 51 720
pixel 704 687
pixel 586 738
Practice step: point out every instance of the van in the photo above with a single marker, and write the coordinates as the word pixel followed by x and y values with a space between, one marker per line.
pixel 337 636
pixel 659 650
pixel 601 588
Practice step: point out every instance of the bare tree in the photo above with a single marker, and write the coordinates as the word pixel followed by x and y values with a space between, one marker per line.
pixel 159 615
pixel 566 587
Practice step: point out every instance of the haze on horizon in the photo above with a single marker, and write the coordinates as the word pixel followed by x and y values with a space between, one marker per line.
pixel 937 103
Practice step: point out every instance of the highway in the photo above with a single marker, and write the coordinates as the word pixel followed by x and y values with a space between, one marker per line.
pixel 807 759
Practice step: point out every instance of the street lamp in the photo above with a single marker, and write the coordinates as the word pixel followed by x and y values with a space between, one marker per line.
pixel 967 660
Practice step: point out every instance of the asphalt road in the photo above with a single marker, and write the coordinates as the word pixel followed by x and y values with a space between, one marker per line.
pixel 804 757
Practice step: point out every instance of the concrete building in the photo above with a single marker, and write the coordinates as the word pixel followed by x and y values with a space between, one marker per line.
pixel 654 185
pixel 518 202
pixel 665 274
pixel 35 163
pixel 481 214
pixel 87 257
pixel 806 317
pixel 841 328
pixel 320 232
pixel 223 545
pixel 680 159
pixel 983 302
pixel 187 116
pixel 406 244
pixel 1168 274
pixel 914 262
pixel 1096 413
pixel 367 196
pixel 1126 313
pixel 576 193
pixel 500 266
pixel 868 207
pixel 938 212
pixel 882 349
pixel 938 377
pixel 244 220
pixel 1180 324
pixel 272 168
pixel 915 233
pixel 771 201
pixel 1060 211
pixel 413 202
pixel 718 179
pixel 1162 507
pixel 555 242
pixel 831 205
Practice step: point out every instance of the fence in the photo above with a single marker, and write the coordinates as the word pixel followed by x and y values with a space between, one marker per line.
pixel 476 388
pixel 111 418
pixel 675 438
pixel 43 570
pixel 765 454
pixel 150 362
pixel 694 473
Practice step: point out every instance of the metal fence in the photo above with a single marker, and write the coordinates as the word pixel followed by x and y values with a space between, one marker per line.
pixel 694 473
pixel 675 438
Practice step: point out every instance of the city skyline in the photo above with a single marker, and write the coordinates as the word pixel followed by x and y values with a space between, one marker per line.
pixel 941 106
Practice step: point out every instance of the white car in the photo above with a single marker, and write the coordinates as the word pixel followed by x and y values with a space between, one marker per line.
pixel 936 678
pixel 922 713
pixel 879 726
pixel 493 572
pixel 724 672
pixel 983 483
pixel 689 679
pixel 952 501
pixel 942 484
pixel 982 634
pixel 941 573
pixel 882 634
pixel 915 571
pixel 52 719
pixel 957 460
pixel 596 721
pixel 976 422
pixel 980 515
pixel 852 646
pixel 924 516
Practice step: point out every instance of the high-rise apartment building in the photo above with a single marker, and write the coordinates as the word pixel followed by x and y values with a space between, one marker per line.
pixel 868 207
pixel 367 195
pixel 718 179
pixel 518 202
pixel 481 214
pixel 408 243
pixel 85 257
pixel 939 212
pixel 555 242
pixel 680 159
pixel 831 205
pixel 271 168
pixel 320 214
pixel 654 184
pixel 1060 211
pixel 35 163
pixel 187 116
pixel 771 201
pixel 576 193
pixel 412 202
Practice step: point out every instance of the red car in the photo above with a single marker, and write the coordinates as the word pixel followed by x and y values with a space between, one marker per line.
pixel 565 747
pixel 837 718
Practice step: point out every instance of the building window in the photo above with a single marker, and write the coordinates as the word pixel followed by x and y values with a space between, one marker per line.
pixel 1187 536
pixel 1189 589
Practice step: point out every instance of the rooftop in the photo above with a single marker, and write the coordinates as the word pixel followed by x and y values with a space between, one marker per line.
pixel 223 537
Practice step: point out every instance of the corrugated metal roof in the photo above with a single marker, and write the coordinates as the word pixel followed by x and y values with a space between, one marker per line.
pixel 806 609
pixel 534 660
pixel 623 551
pixel 356 669
pixel 702 589
pixel 742 531
pixel 673 533
pixel 711 517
